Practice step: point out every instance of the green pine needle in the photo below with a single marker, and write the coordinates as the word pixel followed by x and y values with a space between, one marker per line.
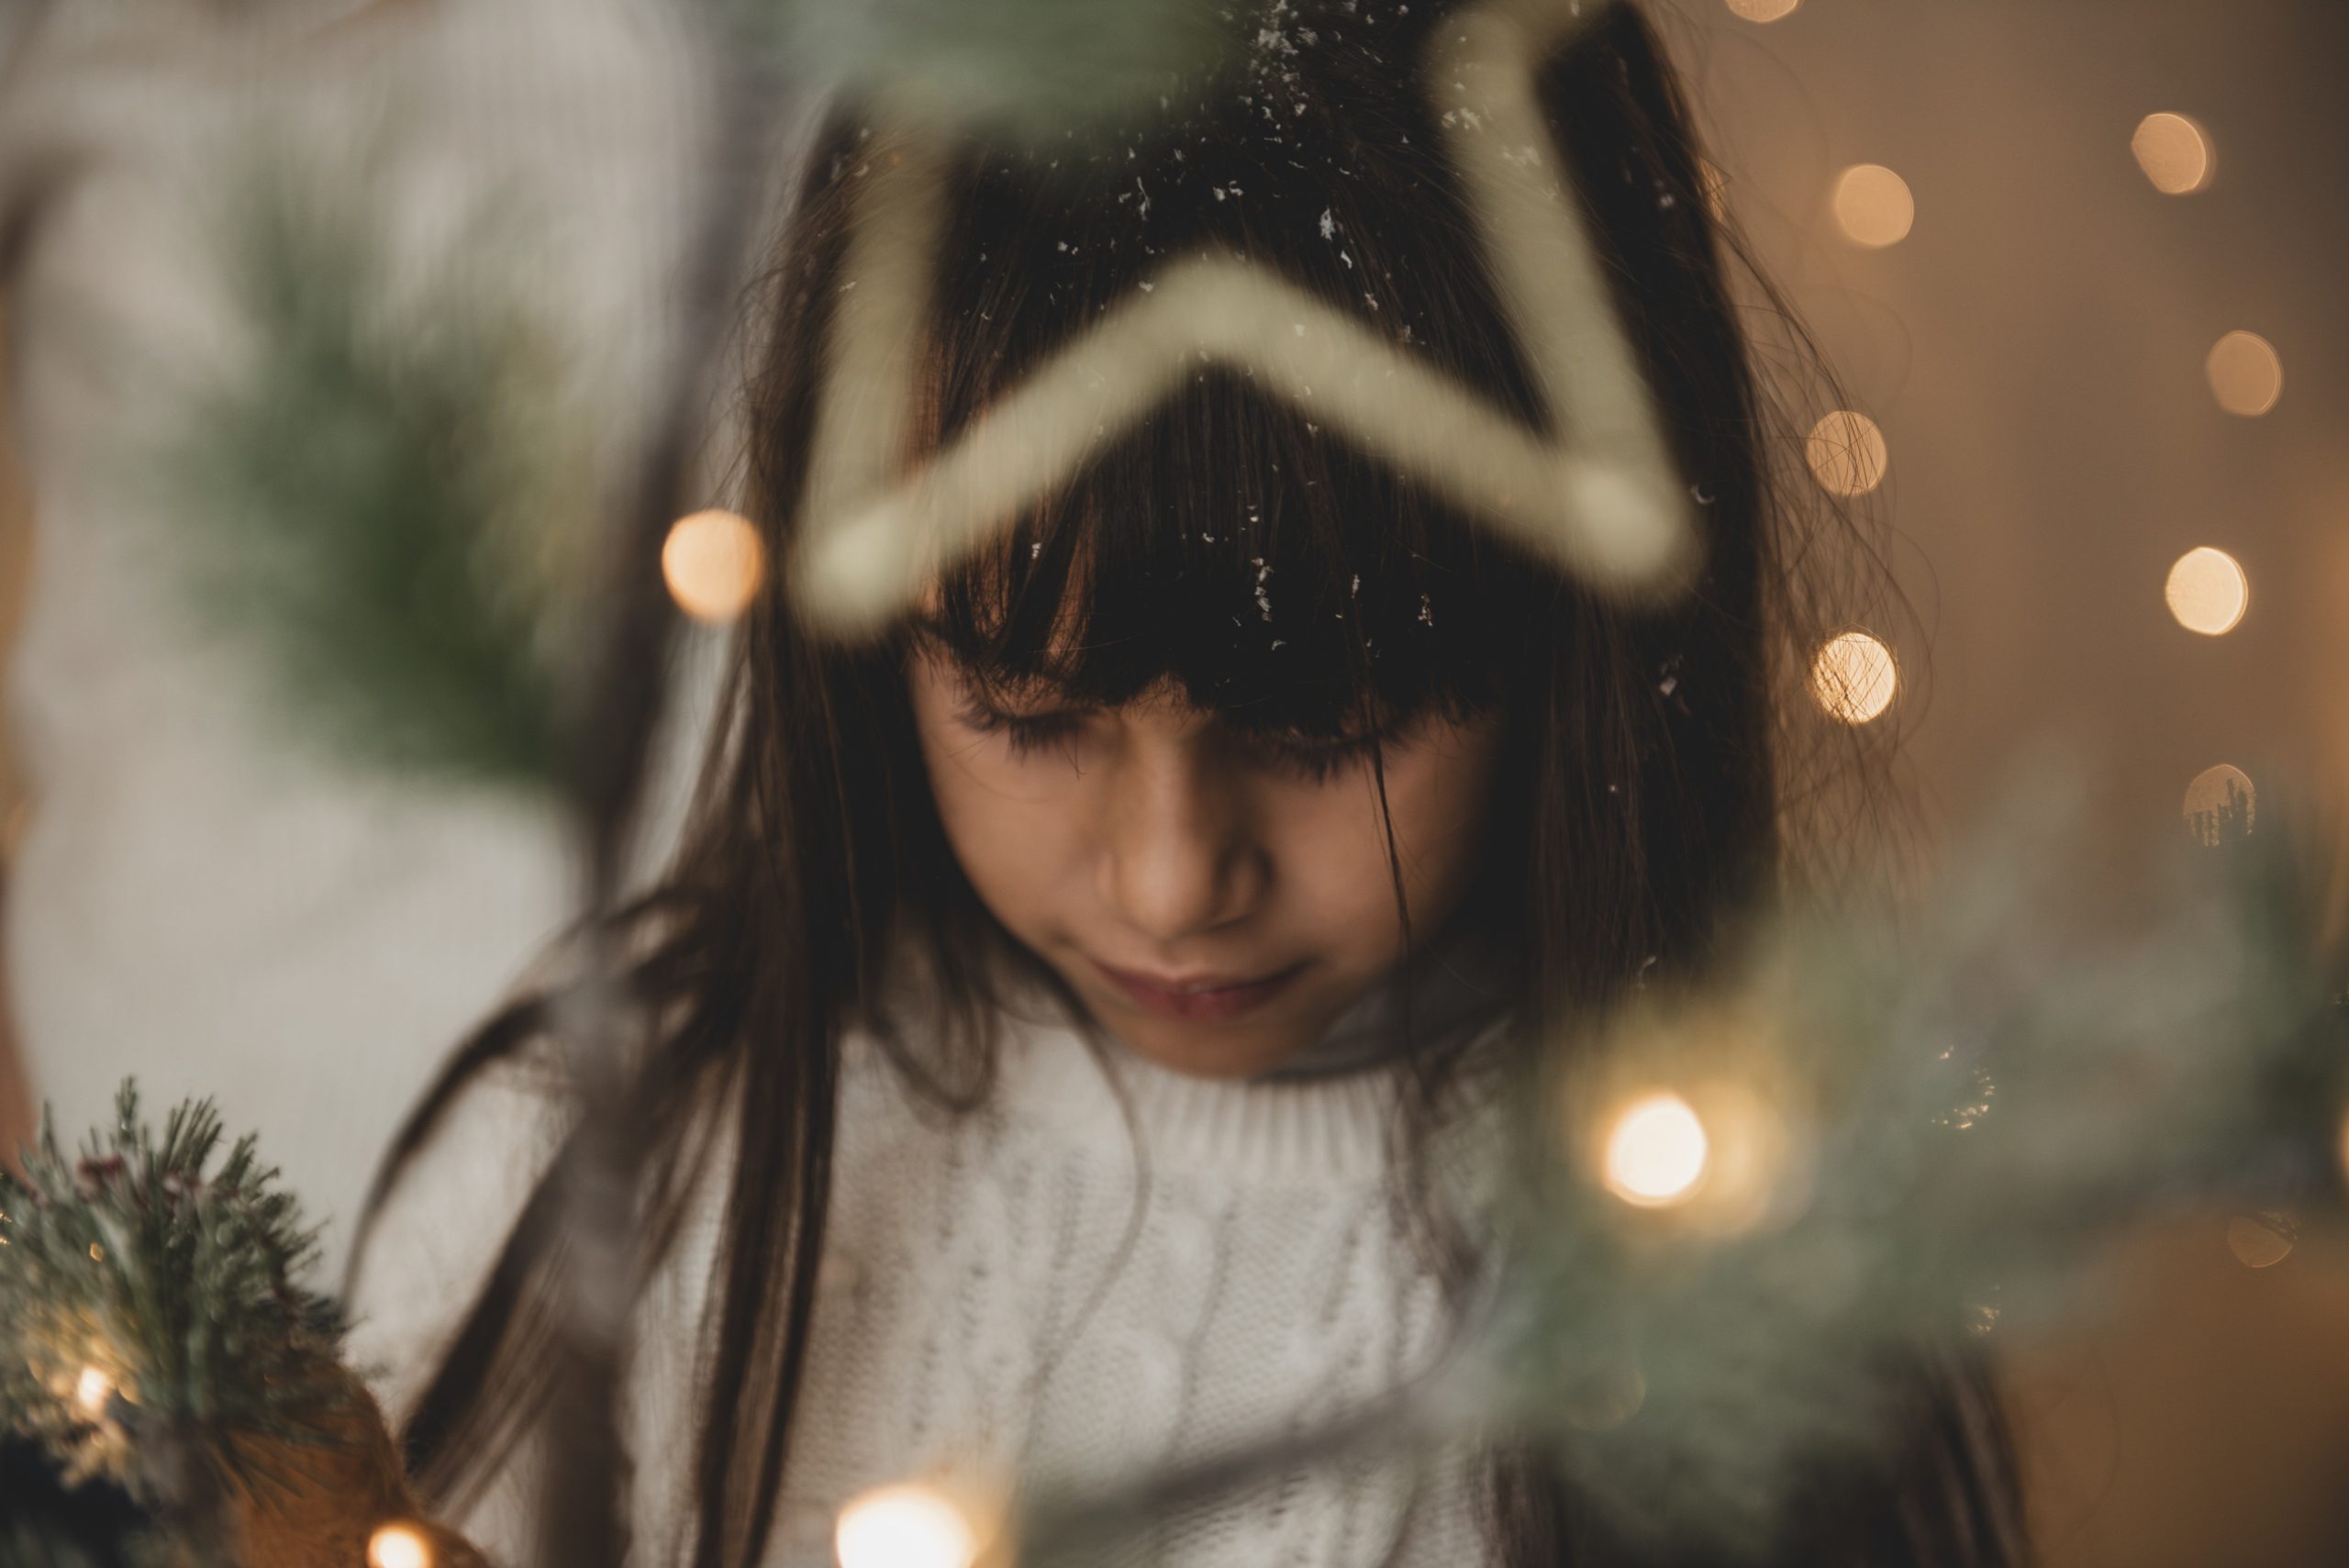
pixel 148 1317
pixel 1976 1107
pixel 381 497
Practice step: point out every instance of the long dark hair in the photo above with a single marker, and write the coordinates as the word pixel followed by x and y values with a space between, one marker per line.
pixel 1282 579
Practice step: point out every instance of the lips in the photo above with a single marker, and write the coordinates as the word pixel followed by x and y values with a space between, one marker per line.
pixel 1201 999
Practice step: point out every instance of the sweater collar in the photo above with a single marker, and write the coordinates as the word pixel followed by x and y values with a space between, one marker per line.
pixel 1324 1117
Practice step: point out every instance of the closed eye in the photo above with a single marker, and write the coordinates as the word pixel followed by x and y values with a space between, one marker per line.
pixel 1026 733
pixel 1316 759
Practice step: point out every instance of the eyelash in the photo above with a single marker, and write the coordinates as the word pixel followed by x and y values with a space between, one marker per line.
pixel 1316 762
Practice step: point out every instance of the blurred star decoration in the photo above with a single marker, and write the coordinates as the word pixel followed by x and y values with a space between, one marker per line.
pixel 1598 496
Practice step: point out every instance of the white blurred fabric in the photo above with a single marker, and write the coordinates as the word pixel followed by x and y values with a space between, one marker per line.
pixel 202 899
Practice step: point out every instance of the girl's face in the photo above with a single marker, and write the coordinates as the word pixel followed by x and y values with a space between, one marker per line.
pixel 1215 899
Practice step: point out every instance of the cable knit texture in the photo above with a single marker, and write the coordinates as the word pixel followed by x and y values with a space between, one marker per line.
pixel 1106 1266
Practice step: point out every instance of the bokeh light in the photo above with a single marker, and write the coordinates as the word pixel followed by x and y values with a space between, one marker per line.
pixel 2175 153
pixel 2256 1244
pixel 2210 795
pixel 1601 1398
pixel 714 563
pixel 1875 206
pixel 1847 454
pixel 2207 592
pixel 905 1526
pixel 398 1546
pixel 1763 10
pixel 1855 677
pixel 2247 374
pixel 92 1390
pixel 1656 1152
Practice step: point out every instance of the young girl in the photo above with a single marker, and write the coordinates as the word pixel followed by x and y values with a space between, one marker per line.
pixel 1081 1003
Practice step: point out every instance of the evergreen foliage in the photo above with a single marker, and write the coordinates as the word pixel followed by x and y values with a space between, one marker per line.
pixel 1919 1135
pixel 386 499
pixel 149 1319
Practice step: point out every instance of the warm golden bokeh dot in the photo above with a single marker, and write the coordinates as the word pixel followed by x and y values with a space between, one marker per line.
pixel 1656 1152
pixel 2247 374
pixel 2175 153
pixel 1855 677
pixel 1875 206
pixel 1763 10
pixel 2207 592
pixel 398 1546
pixel 2255 1244
pixel 1847 454
pixel 714 564
pixel 905 1527
pixel 92 1390
pixel 2211 794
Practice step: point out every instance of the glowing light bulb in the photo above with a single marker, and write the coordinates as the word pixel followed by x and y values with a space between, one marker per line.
pixel 398 1546
pixel 2175 153
pixel 1762 10
pixel 905 1526
pixel 2247 374
pixel 1847 454
pixel 1854 678
pixel 92 1390
pixel 1875 206
pixel 1657 1152
pixel 714 564
pixel 2207 592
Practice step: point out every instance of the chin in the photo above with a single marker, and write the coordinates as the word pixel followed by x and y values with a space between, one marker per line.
pixel 1207 1051
pixel 1239 1048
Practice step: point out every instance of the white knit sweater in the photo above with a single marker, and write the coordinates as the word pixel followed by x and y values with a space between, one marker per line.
pixel 1025 1290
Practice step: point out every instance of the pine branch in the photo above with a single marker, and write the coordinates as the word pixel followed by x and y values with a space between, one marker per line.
pixel 384 501
pixel 150 1330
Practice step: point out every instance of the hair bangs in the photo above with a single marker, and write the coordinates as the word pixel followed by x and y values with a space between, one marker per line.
pixel 1231 547
pixel 1230 551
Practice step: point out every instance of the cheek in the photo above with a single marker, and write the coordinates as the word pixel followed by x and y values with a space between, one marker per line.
pixel 1012 828
pixel 1333 849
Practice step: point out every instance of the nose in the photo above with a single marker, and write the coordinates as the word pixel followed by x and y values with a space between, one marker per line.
pixel 1179 855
